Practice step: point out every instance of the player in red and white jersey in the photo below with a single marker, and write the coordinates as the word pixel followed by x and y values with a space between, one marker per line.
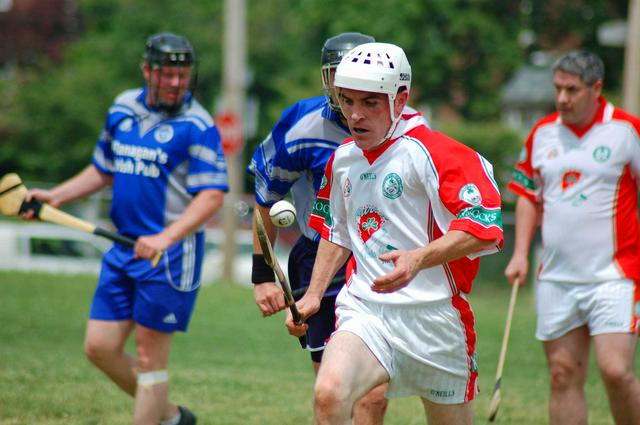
pixel 416 208
pixel 578 172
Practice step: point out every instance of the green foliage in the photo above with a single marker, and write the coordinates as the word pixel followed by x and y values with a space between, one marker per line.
pixel 56 116
pixel 461 52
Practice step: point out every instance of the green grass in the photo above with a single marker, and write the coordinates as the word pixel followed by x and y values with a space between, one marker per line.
pixel 233 366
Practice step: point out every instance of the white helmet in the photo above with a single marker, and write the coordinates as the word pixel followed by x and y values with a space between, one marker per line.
pixel 375 67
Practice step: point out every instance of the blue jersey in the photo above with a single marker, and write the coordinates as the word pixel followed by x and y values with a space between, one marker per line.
pixel 158 162
pixel 293 156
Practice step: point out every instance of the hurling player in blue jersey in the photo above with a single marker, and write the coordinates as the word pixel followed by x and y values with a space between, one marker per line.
pixel 292 158
pixel 161 153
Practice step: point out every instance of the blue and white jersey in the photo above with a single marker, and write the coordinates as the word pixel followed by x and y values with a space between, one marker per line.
pixel 294 155
pixel 159 162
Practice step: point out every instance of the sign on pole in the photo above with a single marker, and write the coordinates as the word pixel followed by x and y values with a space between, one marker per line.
pixel 230 128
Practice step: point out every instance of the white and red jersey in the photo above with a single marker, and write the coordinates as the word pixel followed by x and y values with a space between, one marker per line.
pixel 586 181
pixel 413 189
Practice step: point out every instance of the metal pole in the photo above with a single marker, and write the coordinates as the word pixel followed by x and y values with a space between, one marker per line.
pixel 631 84
pixel 233 92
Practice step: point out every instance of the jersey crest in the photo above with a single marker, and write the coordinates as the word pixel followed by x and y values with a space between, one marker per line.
pixel 346 189
pixel 369 221
pixel 470 194
pixel 569 178
pixel 371 230
pixel 163 134
pixel 602 153
pixel 392 186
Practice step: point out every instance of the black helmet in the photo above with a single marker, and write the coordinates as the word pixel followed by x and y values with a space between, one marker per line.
pixel 168 49
pixel 332 52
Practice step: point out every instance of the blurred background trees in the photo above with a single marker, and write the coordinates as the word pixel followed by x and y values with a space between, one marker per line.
pixel 54 96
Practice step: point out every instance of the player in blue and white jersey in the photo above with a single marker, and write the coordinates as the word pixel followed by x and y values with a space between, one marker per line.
pixel 292 159
pixel 161 153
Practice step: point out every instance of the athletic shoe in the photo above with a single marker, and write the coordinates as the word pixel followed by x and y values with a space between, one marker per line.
pixel 186 416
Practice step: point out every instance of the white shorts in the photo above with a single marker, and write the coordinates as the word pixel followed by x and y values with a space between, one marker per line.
pixel 604 307
pixel 427 349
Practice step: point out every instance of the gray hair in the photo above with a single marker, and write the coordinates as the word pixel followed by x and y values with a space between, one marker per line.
pixel 587 65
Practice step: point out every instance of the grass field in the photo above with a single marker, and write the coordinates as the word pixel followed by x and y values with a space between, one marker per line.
pixel 232 367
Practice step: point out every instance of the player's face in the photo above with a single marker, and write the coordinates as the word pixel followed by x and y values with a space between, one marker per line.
pixel 367 115
pixel 167 84
pixel 576 102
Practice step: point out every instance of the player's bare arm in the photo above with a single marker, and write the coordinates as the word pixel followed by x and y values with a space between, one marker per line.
pixel 268 295
pixel 329 260
pixel 453 245
pixel 201 208
pixel 88 181
pixel 527 215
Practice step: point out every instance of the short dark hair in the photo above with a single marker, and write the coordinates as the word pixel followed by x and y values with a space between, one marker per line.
pixel 583 63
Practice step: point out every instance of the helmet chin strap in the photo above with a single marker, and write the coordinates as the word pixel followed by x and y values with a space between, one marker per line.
pixel 394 122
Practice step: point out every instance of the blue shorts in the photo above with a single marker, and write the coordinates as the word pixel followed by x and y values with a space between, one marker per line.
pixel 323 323
pixel 160 298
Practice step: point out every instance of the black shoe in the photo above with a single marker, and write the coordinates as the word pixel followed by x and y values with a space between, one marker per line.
pixel 186 416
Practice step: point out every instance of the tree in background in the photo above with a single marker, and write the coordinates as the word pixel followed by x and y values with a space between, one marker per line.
pixel 462 52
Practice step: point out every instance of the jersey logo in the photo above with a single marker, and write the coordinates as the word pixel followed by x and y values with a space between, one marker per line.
pixel 163 134
pixel 392 186
pixel 368 176
pixel 601 153
pixel 371 229
pixel 346 190
pixel 369 221
pixel 126 125
pixel 470 194
pixel 569 178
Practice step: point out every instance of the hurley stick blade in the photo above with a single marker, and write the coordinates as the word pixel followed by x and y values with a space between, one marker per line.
pixel 12 194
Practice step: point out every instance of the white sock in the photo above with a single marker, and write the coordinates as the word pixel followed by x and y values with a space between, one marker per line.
pixel 172 421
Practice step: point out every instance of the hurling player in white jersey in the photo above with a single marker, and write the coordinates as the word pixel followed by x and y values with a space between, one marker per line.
pixel 292 159
pixel 416 209
pixel 578 175
pixel 161 153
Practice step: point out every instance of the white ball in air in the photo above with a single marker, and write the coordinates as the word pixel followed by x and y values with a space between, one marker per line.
pixel 283 214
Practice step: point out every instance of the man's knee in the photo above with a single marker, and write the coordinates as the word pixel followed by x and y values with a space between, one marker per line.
pixel 617 375
pixel 99 351
pixel 329 398
pixel 564 376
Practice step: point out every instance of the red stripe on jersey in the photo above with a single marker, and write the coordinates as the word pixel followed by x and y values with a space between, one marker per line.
pixel 619 114
pixel 626 230
pixel 468 321
pixel 351 268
